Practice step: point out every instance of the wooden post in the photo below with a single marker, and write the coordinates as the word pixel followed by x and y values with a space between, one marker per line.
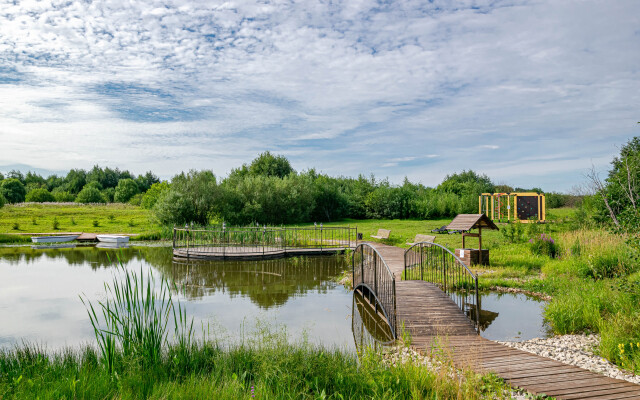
pixel 493 206
pixel 480 245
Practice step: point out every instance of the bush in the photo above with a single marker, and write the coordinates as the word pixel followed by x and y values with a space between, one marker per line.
pixel 543 245
pixel 136 200
pixel 126 189
pixel 195 196
pixel 40 196
pixel 13 190
pixel 150 198
pixel 15 226
pixel 513 232
pixel 3 201
pixel 90 195
pixel 55 224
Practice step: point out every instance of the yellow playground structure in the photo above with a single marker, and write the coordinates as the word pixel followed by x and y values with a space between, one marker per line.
pixel 524 207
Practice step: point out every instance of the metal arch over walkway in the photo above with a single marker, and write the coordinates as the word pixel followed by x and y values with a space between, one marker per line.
pixel 439 324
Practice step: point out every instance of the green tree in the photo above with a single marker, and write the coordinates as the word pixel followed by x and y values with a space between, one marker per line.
pixel 619 195
pixel 75 180
pixel 193 197
pixel 1 177
pixel 13 190
pixel 53 182
pixel 41 195
pixel 155 191
pixel 90 195
pixel 15 174
pixel 145 181
pixel 266 164
pixel 126 189
pixel 34 179
pixel 3 201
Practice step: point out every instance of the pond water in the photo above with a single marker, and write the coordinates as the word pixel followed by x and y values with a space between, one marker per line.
pixel 40 288
pixel 40 303
pixel 511 316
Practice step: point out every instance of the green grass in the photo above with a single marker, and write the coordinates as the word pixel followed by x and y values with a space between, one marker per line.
pixel 76 218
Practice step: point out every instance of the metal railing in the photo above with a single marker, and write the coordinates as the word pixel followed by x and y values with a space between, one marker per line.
pixel 262 240
pixel 376 282
pixel 370 331
pixel 434 263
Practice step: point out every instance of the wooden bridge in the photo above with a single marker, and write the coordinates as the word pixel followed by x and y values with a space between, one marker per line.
pixel 437 304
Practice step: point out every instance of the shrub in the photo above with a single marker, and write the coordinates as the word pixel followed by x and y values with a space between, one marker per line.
pixel 56 224
pixel 3 201
pixel 62 196
pixel 136 200
pixel 40 196
pixel 90 195
pixel 73 221
pixel 13 190
pixel 95 223
pixel 15 226
pixel 513 232
pixel 543 245
pixel 192 198
pixel 126 189
pixel 34 221
pixel 150 198
pixel 111 217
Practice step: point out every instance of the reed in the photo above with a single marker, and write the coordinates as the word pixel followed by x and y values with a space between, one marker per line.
pixel 135 318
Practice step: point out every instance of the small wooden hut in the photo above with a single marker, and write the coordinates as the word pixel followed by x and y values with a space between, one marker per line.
pixel 467 222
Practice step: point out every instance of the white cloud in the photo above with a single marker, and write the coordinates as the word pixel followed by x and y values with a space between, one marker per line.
pixel 171 85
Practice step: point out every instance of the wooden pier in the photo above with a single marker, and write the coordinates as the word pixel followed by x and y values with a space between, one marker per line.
pixel 437 326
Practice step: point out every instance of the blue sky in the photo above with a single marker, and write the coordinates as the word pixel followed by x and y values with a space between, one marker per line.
pixel 531 93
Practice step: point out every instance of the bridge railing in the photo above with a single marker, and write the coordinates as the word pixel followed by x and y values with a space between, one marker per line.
pixel 376 282
pixel 434 263
pixel 263 239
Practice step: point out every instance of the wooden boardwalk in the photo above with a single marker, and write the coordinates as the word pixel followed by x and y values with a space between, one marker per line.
pixel 251 252
pixel 437 326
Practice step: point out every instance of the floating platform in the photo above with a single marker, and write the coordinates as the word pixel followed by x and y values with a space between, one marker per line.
pixel 251 253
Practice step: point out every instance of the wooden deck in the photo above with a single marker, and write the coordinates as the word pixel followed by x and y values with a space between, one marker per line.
pixel 250 253
pixel 437 326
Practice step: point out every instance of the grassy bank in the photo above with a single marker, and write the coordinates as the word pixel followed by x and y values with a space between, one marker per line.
pixel 54 217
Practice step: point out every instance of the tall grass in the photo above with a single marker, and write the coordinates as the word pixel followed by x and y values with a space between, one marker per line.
pixel 135 319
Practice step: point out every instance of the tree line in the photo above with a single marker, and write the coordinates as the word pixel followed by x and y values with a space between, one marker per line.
pixel 265 191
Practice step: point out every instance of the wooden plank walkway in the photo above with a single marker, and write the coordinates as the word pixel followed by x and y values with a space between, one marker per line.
pixel 438 326
pixel 251 253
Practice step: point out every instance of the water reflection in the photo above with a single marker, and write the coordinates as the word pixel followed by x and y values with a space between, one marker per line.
pixel 39 291
pixel 370 329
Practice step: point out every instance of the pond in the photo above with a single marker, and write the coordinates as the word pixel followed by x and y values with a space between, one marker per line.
pixel 40 288
pixel 40 303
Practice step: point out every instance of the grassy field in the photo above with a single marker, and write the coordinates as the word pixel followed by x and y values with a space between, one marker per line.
pixel 109 218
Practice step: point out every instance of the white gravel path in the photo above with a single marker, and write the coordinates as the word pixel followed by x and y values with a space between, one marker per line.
pixel 575 350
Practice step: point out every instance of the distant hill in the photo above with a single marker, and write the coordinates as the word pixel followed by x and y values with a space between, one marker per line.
pixel 24 168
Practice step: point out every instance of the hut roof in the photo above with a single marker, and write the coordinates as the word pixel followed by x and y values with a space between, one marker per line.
pixel 464 222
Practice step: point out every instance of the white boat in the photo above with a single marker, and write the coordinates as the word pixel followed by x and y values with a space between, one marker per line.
pixel 113 238
pixel 53 239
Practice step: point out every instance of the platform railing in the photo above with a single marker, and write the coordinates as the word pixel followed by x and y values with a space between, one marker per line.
pixel 261 239
pixel 434 263
pixel 374 279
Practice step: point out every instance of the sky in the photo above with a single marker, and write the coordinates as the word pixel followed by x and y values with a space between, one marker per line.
pixel 531 93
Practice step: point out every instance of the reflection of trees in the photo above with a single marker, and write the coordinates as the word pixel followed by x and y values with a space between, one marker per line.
pixel 78 256
pixel 267 283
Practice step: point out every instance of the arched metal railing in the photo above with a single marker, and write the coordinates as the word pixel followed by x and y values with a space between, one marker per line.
pixel 370 331
pixel 374 279
pixel 434 263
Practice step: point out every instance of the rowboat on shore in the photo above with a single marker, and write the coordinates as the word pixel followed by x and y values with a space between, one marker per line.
pixel 53 239
pixel 113 238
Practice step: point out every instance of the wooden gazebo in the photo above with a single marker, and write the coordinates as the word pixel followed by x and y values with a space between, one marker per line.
pixel 466 222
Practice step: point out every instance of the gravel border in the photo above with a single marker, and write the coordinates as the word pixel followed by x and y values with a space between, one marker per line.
pixel 577 350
